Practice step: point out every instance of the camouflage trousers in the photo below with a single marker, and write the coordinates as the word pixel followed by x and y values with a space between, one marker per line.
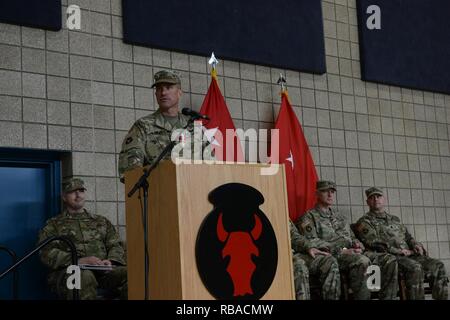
pixel 389 273
pixel 415 269
pixel 354 266
pixel 325 270
pixel 113 281
pixel 301 278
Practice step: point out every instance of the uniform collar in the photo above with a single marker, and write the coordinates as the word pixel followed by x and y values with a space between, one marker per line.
pixel 83 215
pixel 325 213
pixel 383 215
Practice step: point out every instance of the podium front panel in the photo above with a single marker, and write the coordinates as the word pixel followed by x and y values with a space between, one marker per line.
pixel 178 206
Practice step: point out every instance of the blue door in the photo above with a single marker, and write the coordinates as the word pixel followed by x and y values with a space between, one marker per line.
pixel 28 197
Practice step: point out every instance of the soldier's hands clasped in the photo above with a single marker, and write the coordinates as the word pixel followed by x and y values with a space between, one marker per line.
pixel 419 249
pixel 91 260
pixel 313 252
pixel 406 252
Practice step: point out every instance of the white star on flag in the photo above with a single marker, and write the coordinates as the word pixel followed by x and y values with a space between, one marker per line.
pixel 209 133
pixel 291 159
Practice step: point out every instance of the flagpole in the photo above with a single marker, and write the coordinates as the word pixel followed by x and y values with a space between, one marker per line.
pixel 221 120
pixel 282 81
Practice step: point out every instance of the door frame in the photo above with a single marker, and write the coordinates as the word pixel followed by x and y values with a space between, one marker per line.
pixel 48 159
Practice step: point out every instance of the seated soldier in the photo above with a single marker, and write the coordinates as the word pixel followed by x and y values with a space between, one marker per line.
pixel 301 274
pixel 377 228
pixel 328 234
pixel 97 243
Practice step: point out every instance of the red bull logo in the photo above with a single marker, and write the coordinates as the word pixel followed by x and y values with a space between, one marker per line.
pixel 236 248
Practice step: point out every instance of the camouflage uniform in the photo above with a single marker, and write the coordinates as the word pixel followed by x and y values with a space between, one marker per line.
pixel 301 274
pixel 322 268
pixel 386 231
pixel 92 235
pixel 329 231
pixel 149 135
pixel 389 273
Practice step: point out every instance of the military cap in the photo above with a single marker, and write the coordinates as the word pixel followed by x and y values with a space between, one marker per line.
pixel 166 76
pixel 374 190
pixel 323 185
pixel 72 184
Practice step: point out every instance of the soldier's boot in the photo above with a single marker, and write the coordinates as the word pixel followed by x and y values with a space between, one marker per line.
pixel 440 289
pixel 439 281
pixel 330 279
pixel 301 278
pixel 389 277
pixel 357 275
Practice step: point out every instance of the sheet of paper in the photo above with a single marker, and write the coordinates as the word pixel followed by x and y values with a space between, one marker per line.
pixel 96 267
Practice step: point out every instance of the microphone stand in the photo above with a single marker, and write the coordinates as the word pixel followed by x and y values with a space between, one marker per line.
pixel 142 183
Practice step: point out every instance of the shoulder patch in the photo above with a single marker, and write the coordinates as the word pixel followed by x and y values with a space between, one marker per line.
pixel 362 227
pixel 359 227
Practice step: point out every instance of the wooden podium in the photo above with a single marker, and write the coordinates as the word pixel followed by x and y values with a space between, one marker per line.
pixel 178 203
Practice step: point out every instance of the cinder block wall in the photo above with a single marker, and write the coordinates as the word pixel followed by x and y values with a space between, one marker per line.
pixel 82 90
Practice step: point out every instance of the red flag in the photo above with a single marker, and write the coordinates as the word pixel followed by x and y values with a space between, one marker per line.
pixel 215 108
pixel 301 176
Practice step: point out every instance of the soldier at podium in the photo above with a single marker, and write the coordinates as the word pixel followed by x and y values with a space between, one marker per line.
pixel 149 135
pixel 97 242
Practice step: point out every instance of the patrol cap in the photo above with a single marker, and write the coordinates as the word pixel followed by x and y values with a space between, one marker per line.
pixel 72 184
pixel 374 190
pixel 323 185
pixel 166 76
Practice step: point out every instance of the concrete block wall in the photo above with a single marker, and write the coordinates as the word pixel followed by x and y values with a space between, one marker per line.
pixel 81 91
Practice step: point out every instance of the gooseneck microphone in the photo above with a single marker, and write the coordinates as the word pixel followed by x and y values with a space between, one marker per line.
pixel 194 114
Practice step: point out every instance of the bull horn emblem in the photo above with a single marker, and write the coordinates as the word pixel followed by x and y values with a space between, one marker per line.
pixel 257 229
pixel 222 234
pixel 240 247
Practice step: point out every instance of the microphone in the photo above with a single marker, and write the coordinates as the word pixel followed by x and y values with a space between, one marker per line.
pixel 193 114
